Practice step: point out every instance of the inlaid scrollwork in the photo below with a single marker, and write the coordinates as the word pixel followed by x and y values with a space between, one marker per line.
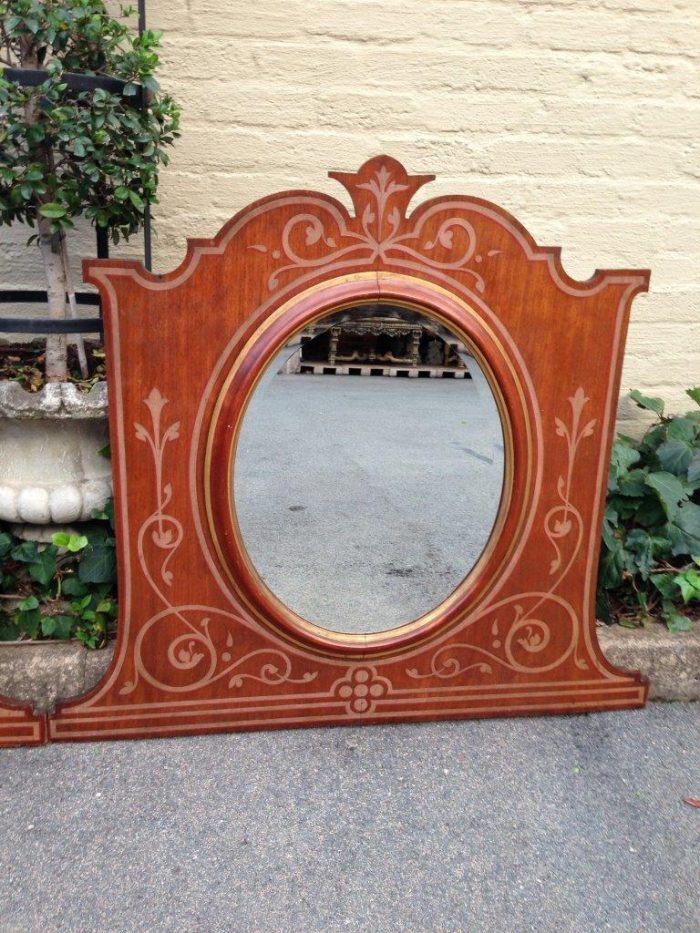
pixel 200 644
pixel 523 642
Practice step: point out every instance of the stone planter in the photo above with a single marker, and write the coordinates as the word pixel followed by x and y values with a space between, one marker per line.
pixel 50 470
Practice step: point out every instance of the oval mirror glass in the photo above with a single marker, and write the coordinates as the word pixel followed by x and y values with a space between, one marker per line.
pixel 369 469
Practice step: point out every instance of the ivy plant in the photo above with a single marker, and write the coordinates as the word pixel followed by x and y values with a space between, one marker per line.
pixel 66 152
pixel 650 559
pixel 66 589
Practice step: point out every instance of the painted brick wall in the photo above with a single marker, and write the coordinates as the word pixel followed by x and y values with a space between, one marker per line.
pixel 581 118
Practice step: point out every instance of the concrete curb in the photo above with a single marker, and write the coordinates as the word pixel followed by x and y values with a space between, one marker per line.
pixel 671 663
pixel 45 672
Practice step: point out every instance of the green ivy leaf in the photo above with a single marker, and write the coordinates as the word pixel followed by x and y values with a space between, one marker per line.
pixel 675 456
pixel 63 626
pixel 26 552
pixel 665 583
pixel 694 468
pixel 623 457
pixel 689 583
pixel 612 565
pixel 602 607
pixel 649 512
pixel 98 564
pixel 29 622
pixel 681 429
pixel 44 568
pixel 669 489
pixel 71 586
pixel 633 484
pixel 688 521
pixel 644 401
pixel 694 394
pixel 9 630
pixel 27 604
pixel 72 543
pixel 675 621
pixel 150 83
pixel 641 548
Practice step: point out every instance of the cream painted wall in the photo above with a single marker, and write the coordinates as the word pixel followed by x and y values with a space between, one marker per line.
pixel 581 118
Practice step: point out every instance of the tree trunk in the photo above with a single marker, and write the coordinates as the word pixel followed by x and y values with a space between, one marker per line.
pixel 56 367
pixel 56 349
pixel 73 309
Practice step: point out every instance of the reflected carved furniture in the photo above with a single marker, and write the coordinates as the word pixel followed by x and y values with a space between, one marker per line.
pixel 381 344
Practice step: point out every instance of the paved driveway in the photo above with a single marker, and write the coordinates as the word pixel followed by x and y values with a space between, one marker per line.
pixel 561 824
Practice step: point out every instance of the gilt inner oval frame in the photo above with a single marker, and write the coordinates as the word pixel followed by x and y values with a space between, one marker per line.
pixel 246 364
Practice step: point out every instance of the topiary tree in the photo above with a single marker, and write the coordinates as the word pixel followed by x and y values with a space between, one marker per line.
pixel 67 151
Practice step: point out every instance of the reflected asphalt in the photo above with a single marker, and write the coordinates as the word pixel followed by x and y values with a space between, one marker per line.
pixel 364 501
pixel 567 824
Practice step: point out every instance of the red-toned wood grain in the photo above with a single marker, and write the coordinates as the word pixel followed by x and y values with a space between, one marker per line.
pixel 19 725
pixel 203 646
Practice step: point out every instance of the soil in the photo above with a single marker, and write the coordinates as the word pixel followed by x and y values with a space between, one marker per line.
pixel 24 363
pixel 628 615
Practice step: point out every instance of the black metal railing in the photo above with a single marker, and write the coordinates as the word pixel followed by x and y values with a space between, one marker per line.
pixel 21 325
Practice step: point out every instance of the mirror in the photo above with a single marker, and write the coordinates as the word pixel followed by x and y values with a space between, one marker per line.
pixel 369 468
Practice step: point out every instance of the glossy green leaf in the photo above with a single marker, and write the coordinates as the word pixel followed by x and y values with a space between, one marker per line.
pixel 44 568
pixel 689 584
pixel 72 543
pixel 665 583
pixel 675 456
pixel 675 620
pixel 98 564
pixel 30 602
pixel 26 552
pixel 645 401
pixel 72 586
pixel 688 520
pixel 52 210
pixel 670 490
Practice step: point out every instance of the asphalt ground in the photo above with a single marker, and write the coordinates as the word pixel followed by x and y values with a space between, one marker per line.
pixel 363 502
pixel 560 824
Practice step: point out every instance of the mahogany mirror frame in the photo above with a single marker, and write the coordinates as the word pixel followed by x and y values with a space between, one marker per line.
pixel 203 645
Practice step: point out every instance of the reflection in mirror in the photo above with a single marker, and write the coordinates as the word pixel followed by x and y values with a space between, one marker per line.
pixel 363 502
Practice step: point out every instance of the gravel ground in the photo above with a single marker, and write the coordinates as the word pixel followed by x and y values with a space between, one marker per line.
pixel 561 824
